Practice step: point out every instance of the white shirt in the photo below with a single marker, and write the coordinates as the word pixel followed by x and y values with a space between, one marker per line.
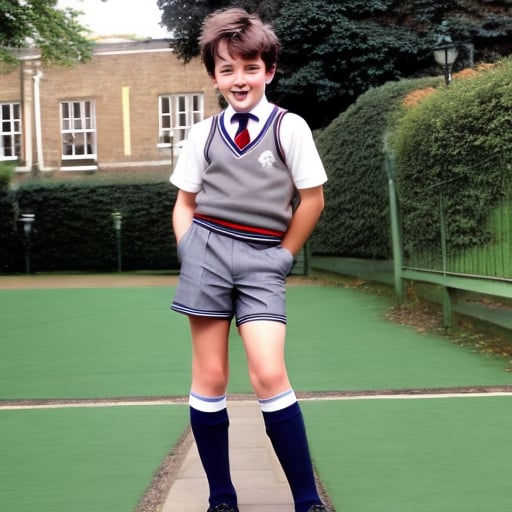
pixel 299 149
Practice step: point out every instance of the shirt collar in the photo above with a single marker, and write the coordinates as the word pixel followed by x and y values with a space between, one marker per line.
pixel 262 110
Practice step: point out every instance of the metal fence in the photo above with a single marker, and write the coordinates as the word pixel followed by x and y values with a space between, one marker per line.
pixel 493 260
pixel 483 267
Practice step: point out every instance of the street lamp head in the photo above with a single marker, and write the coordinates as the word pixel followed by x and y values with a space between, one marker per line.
pixel 445 51
pixel 27 219
pixel 117 217
pixel 445 54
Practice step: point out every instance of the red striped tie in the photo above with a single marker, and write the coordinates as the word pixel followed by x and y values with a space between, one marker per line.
pixel 242 134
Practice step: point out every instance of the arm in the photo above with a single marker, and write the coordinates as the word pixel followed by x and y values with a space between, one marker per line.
pixel 308 174
pixel 183 213
pixel 187 177
pixel 304 219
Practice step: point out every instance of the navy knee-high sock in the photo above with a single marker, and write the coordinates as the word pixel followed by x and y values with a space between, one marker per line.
pixel 210 431
pixel 286 430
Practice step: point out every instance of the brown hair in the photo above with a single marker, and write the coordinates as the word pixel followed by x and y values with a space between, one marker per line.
pixel 245 35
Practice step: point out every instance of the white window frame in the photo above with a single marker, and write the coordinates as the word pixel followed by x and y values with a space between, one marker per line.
pixel 176 114
pixel 10 129
pixel 78 130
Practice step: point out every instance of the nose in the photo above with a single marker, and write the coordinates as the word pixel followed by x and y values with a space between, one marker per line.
pixel 240 78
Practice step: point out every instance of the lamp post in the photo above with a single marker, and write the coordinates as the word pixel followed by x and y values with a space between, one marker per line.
pixel 28 220
pixel 117 218
pixel 445 52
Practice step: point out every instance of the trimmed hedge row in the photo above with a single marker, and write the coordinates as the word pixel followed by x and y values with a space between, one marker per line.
pixel 7 220
pixel 459 136
pixel 74 228
pixel 455 145
pixel 355 222
pixel 456 139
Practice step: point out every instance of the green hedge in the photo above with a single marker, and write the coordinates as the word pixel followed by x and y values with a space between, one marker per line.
pixel 355 222
pixel 458 139
pixel 73 228
pixel 455 146
pixel 7 219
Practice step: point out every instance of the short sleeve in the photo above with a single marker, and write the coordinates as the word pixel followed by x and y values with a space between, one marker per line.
pixel 191 162
pixel 300 152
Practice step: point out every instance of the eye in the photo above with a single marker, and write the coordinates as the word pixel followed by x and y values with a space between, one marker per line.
pixel 225 70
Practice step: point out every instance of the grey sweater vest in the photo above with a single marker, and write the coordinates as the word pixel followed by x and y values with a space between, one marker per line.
pixel 249 187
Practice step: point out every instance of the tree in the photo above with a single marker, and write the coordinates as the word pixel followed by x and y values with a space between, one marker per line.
pixel 54 32
pixel 183 18
pixel 334 51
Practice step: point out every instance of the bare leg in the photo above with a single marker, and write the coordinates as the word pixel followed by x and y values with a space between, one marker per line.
pixel 208 413
pixel 210 365
pixel 264 344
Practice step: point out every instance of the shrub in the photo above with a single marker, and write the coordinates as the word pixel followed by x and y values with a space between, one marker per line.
pixel 73 228
pixel 7 219
pixel 455 146
pixel 355 222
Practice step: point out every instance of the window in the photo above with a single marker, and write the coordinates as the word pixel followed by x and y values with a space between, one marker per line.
pixel 78 129
pixel 10 131
pixel 178 112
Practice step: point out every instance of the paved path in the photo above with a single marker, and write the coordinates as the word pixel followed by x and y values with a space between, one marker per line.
pixel 257 475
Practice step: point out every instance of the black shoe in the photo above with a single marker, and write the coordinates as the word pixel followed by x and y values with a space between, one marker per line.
pixel 318 508
pixel 222 508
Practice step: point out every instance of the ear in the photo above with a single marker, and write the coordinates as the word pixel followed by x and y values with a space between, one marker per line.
pixel 269 74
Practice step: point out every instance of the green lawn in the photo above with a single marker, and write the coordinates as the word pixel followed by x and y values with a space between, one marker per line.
pixel 414 455
pixel 96 343
pixel 91 459
pixel 440 455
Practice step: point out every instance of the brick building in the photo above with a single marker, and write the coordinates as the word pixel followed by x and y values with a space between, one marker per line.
pixel 126 110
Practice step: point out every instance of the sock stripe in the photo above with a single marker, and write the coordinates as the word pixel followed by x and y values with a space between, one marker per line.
pixel 278 402
pixel 207 403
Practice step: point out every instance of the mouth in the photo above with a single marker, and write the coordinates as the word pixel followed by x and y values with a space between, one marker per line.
pixel 239 95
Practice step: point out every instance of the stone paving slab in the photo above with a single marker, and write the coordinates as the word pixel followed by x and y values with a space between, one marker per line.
pixel 256 472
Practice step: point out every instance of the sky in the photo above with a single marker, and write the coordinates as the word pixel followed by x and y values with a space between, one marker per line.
pixel 115 17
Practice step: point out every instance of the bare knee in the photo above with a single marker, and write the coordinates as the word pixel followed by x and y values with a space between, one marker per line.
pixel 268 382
pixel 209 379
pixel 264 343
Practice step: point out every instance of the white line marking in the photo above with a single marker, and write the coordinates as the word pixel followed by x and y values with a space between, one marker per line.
pixel 174 401
pixel 408 396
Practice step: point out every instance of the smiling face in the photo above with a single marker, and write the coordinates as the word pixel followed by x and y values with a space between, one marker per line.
pixel 241 81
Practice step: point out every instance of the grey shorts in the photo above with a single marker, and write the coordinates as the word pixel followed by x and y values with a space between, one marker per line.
pixel 222 277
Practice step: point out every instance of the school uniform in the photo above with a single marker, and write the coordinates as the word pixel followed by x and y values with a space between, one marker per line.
pixel 233 266
pixel 244 203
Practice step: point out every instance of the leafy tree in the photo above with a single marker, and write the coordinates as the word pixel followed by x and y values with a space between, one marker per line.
pixel 183 18
pixel 334 51
pixel 38 23
pixel 337 51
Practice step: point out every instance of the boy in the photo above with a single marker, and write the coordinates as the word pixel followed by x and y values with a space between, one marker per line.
pixel 237 234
